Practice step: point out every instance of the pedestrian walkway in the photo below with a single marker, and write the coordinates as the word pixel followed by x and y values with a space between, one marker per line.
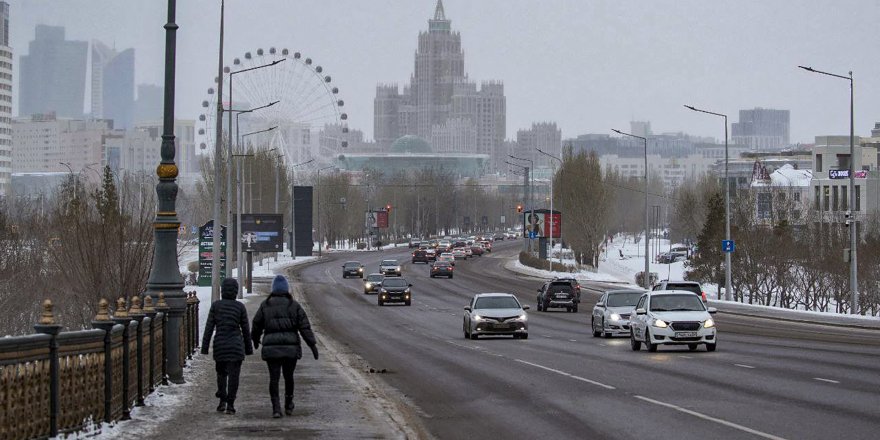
pixel 329 403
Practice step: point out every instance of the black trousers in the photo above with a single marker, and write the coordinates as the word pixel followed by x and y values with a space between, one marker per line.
pixel 227 380
pixel 276 368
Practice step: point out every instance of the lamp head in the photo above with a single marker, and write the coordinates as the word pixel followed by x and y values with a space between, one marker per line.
pixel 807 68
pixel 690 107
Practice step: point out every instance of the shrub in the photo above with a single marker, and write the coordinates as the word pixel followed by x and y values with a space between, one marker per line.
pixel 530 260
pixel 193 266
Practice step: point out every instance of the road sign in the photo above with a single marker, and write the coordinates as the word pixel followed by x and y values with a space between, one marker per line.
pixel 206 261
pixel 727 246
pixel 838 174
pixel 533 234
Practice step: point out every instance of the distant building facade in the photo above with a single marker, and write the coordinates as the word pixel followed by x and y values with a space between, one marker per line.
pixel 112 85
pixel 543 135
pixel 441 103
pixel 762 129
pixel 831 196
pixel 150 103
pixel 44 143
pixel 5 102
pixel 53 75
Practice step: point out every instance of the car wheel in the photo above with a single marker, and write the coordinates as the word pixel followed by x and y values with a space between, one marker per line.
pixel 540 307
pixel 408 302
pixel 450 277
pixel 605 334
pixel 381 303
pixel 474 336
pixel 711 347
pixel 546 306
pixel 651 347
pixel 524 336
pixel 432 276
pixel 692 347
pixel 574 308
pixel 635 345
pixel 344 276
pixel 596 333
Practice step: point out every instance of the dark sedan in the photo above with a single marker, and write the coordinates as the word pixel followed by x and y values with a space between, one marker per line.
pixel 352 268
pixel 373 282
pixel 395 290
pixel 441 269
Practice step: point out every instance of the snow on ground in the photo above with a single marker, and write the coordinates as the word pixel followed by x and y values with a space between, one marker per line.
pixel 633 261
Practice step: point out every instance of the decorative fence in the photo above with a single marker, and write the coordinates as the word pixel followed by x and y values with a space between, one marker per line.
pixel 56 382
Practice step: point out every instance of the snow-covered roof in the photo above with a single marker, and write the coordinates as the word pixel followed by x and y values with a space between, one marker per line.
pixel 787 175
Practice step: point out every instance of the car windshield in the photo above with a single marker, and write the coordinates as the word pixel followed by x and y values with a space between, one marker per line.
pixel 677 303
pixel 623 299
pixel 395 282
pixel 685 286
pixel 497 302
pixel 353 265
pixel 388 263
pixel 374 278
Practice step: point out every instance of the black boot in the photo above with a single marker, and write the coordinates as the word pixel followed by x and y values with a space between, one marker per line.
pixel 221 407
pixel 276 408
pixel 230 407
pixel 288 405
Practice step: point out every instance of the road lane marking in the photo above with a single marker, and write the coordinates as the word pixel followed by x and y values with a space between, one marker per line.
pixel 572 340
pixel 685 357
pixel 563 373
pixel 710 418
pixel 826 380
pixel 744 366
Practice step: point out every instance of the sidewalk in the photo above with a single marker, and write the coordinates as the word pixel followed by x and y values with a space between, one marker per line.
pixel 330 402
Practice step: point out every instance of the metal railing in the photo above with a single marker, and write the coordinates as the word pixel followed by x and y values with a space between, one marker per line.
pixel 55 382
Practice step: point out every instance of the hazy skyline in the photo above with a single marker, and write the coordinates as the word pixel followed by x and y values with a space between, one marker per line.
pixel 588 66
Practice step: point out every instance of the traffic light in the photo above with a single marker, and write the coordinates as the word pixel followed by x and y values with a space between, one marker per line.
pixel 848 217
pixel 518 208
pixel 388 208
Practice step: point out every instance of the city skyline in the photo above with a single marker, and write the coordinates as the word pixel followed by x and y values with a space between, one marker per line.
pixel 587 67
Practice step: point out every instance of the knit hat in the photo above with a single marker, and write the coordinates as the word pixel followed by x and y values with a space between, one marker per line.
pixel 229 288
pixel 279 285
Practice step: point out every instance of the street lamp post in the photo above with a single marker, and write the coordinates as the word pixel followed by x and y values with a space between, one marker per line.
pixel 525 194
pixel 240 206
pixel 728 292
pixel 164 273
pixel 320 237
pixel 853 232
pixel 531 177
pixel 292 205
pixel 646 279
pixel 551 205
pixel 218 143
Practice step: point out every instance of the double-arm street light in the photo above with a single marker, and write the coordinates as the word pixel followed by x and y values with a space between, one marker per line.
pixel 531 197
pixel 552 177
pixel 853 232
pixel 728 292
pixel 525 174
pixel 320 237
pixel 292 244
pixel 647 278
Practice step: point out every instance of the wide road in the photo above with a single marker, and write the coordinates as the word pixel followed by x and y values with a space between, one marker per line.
pixel 769 379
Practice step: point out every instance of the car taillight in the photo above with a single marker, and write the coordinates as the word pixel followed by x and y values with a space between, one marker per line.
pixel 704 296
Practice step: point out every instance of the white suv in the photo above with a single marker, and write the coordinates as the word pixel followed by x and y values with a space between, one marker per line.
pixel 672 317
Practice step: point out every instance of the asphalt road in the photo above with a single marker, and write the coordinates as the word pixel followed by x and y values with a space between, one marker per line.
pixel 769 378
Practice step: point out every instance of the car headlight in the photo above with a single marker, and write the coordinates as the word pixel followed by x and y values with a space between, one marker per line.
pixel 660 323
pixel 383 291
pixel 615 317
pixel 477 317
pixel 407 291
pixel 360 269
pixel 522 317
pixel 398 268
pixel 369 286
pixel 709 323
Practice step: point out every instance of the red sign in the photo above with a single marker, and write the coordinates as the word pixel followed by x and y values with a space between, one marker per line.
pixel 381 219
pixel 554 225
pixel 542 223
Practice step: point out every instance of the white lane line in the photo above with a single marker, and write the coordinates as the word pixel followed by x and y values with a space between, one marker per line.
pixel 710 418
pixel 563 373
pixel 744 366
pixel 826 380
pixel 572 340
pixel 685 357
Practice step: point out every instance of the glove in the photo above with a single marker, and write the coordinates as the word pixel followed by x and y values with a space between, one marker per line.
pixel 204 350
pixel 314 351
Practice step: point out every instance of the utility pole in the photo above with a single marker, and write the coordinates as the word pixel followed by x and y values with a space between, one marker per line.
pixel 218 146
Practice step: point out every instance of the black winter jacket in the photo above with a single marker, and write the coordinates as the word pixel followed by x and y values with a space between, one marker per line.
pixel 233 337
pixel 283 320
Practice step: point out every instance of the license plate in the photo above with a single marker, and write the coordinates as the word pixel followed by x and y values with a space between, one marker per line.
pixel 562 295
pixel 501 326
pixel 685 334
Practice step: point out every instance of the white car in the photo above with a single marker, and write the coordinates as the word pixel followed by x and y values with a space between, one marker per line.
pixel 672 317
pixel 612 313
pixel 495 314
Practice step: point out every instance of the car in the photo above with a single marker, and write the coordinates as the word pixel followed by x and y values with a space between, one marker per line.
pixel 442 269
pixel 611 314
pixel 671 257
pixel 444 245
pixel 477 250
pixel 469 251
pixel 352 268
pixel 557 294
pixel 414 243
pixel 487 245
pixel 459 254
pixel 575 285
pixel 389 267
pixel 432 254
pixel 499 237
pixel 495 314
pixel 447 257
pixel 395 290
pixel 672 317
pixel 690 286
pixel 420 256
pixel 373 282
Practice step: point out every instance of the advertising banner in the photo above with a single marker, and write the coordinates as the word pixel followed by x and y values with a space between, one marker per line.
pixel 262 232
pixel 540 223
pixel 376 219
pixel 206 244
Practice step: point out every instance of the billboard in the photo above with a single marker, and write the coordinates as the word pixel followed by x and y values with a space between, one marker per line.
pixel 376 219
pixel 262 232
pixel 541 222
pixel 206 261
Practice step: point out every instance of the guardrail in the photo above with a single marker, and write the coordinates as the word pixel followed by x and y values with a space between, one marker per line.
pixel 55 382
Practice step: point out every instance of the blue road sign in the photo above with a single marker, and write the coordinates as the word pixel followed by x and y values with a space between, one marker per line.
pixel 727 246
pixel 533 234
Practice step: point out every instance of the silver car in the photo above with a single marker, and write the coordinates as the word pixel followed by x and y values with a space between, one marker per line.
pixel 495 314
pixel 611 314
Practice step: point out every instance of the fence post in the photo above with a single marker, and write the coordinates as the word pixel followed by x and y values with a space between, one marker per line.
pixel 138 315
pixel 120 316
pixel 150 311
pixel 102 321
pixel 191 302
pixel 47 326
pixel 163 308
pixel 196 302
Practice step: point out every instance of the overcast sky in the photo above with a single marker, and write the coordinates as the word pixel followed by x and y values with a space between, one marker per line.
pixel 589 66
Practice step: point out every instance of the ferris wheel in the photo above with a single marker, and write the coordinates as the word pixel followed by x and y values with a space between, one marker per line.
pixel 308 114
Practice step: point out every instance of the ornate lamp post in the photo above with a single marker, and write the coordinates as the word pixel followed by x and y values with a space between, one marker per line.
pixel 165 275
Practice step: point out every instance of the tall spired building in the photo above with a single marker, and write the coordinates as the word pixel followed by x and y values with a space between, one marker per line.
pixel 441 105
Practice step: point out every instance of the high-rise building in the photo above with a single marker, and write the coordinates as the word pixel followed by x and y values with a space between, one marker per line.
pixel 543 135
pixel 5 102
pixel 762 129
pixel 150 102
pixel 113 84
pixel 53 75
pixel 440 103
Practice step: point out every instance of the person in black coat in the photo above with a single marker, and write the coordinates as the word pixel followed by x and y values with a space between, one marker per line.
pixel 232 342
pixel 280 322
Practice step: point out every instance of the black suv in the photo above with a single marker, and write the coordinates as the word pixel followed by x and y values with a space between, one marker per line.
pixel 575 285
pixel 395 290
pixel 558 294
pixel 352 268
pixel 420 256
